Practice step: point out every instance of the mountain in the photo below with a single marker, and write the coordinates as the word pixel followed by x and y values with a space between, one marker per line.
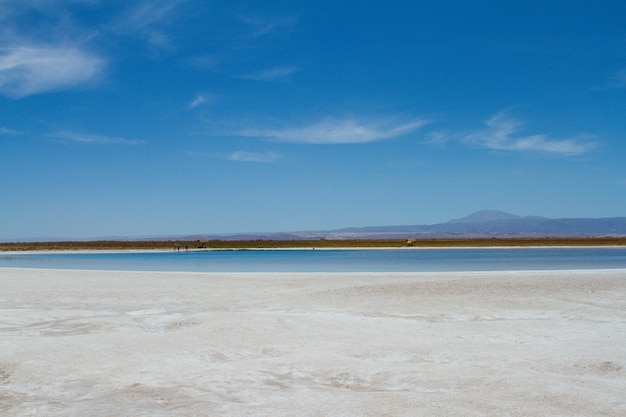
pixel 485 216
pixel 493 223
pixel 484 223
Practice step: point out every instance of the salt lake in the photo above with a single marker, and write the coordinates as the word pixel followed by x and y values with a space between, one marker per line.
pixel 330 260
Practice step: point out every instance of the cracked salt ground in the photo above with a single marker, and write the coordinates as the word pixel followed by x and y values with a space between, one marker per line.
pixel 93 343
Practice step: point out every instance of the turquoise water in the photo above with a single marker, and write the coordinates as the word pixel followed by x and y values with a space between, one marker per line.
pixel 358 260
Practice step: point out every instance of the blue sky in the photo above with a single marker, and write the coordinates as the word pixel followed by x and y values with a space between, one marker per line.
pixel 127 118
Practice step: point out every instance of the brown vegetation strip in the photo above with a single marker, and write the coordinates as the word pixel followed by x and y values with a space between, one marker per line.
pixel 268 244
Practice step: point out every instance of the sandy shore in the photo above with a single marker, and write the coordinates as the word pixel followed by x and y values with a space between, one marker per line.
pixel 93 343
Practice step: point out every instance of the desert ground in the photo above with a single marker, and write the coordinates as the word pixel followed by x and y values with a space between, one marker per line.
pixel 95 343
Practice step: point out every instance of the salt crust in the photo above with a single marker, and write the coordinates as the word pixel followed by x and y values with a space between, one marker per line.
pixel 96 343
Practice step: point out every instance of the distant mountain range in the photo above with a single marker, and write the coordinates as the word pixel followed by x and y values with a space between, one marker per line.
pixel 485 223
pixel 482 224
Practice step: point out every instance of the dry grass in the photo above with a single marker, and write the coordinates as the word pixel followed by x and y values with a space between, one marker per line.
pixel 356 243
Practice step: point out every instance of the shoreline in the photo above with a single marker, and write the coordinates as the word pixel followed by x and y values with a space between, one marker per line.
pixel 326 274
pixel 235 249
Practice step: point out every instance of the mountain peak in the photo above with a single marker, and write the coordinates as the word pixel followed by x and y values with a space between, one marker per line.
pixel 485 216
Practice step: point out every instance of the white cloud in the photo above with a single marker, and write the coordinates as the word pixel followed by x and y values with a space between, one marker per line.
pixel 200 100
pixel 150 12
pixel 503 133
pixel 620 78
pixel 277 73
pixel 245 156
pixel 240 156
pixel 93 139
pixel 147 20
pixel 203 62
pixel 28 70
pixel 336 131
pixel 7 131
pixel 49 8
pixel 617 80
pixel 263 26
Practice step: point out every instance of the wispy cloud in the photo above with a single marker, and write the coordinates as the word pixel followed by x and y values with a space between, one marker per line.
pixel 261 26
pixel 44 48
pixel 503 132
pixel 147 20
pixel 619 79
pixel 27 70
pixel 34 19
pixel 7 131
pixel 338 131
pixel 201 99
pixel 616 80
pixel 93 139
pixel 202 62
pixel 245 156
pixel 240 156
pixel 271 74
